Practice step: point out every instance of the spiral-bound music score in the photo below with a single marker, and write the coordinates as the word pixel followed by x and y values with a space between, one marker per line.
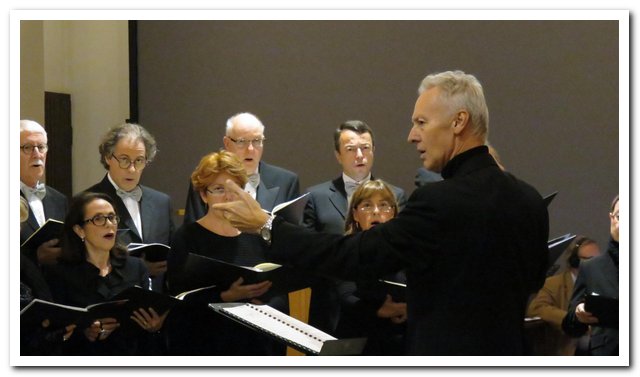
pixel 289 330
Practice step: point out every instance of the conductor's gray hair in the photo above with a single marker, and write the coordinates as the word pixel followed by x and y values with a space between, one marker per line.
pixel 458 91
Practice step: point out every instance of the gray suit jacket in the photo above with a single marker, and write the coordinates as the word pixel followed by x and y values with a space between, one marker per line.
pixel 277 185
pixel 327 207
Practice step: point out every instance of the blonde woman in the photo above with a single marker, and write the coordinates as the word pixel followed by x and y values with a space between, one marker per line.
pixel 366 308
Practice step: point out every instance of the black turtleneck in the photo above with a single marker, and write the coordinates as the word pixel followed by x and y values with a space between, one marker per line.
pixel 613 251
pixel 457 161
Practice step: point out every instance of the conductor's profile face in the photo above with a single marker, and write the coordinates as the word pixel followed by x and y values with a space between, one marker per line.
pixel 432 130
pixel 127 162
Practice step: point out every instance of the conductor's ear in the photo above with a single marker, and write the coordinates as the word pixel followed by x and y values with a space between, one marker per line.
pixel 460 121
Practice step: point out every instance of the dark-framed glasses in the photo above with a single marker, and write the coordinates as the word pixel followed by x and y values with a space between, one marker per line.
pixel 101 220
pixel 383 207
pixel 125 162
pixel 244 143
pixel 29 148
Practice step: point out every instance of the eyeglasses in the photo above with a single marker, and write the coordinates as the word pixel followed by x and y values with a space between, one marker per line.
pixel 365 148
pixel 244 143
pixel 218 191
pixel 101 220
pixel 125 162
pixel 29 148
pixel 369 207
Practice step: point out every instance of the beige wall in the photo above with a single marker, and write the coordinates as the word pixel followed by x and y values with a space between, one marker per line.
pixel 89 60
pixel 31 71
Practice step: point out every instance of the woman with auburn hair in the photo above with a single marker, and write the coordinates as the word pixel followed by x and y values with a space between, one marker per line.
pixel 367 309
pixel 199 331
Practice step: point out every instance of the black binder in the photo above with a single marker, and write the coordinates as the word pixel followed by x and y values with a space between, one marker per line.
pixel 60 316
pixel 51 229
pixel 398 291
pixel 549 198
pixel 606 309
pixel 153 252
pixel 288 330
pixel 556 247
pixel 200 271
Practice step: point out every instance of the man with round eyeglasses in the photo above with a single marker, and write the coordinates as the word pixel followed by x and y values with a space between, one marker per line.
pixel 44 201
pixel 270 185
pixel 145 213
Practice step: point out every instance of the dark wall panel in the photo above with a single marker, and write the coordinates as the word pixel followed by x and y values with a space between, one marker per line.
pixel 551 86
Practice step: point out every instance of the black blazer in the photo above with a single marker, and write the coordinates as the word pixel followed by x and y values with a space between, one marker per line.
pixel 155 214
pixel 326 209
pixel 55 206
pixel 474 247
pixel 277 185
pixel 597 275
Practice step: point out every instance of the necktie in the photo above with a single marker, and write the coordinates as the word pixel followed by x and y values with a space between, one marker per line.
pixel 350 187
pixel 135 194
pixel 254 179
pixel 39 191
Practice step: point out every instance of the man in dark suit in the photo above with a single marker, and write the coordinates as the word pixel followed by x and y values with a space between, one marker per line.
pixel 270 185
pixel 474 246
pixel 327 207
pixel 598 275
pixel 145 213
pixel 44 201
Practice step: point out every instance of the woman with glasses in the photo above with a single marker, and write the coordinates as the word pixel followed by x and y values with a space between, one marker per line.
pixel 94 268
pixel 368 309
pixel 200 331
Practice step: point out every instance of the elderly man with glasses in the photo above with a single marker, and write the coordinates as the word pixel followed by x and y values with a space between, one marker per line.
pixel 270 185
pixel 145 213
pixel 44 201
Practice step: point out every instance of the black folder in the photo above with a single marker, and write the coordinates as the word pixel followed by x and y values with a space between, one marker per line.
pixel 398 291
pixel 199 271
pixel 120 307
pixel 293 210
pixel 153 252
pixel 549 198
pixel 556 247
pixel 51 229
pixel 606 309
pixel 60 316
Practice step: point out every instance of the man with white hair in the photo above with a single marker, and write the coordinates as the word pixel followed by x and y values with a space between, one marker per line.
pixel 270 185
pixel 474 245
pixel 44 201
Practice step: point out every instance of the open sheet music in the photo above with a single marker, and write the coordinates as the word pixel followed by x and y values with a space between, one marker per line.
pixel 293 210
pixel 291 331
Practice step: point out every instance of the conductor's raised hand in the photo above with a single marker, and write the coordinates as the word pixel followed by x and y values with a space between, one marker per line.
pixel 244 214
